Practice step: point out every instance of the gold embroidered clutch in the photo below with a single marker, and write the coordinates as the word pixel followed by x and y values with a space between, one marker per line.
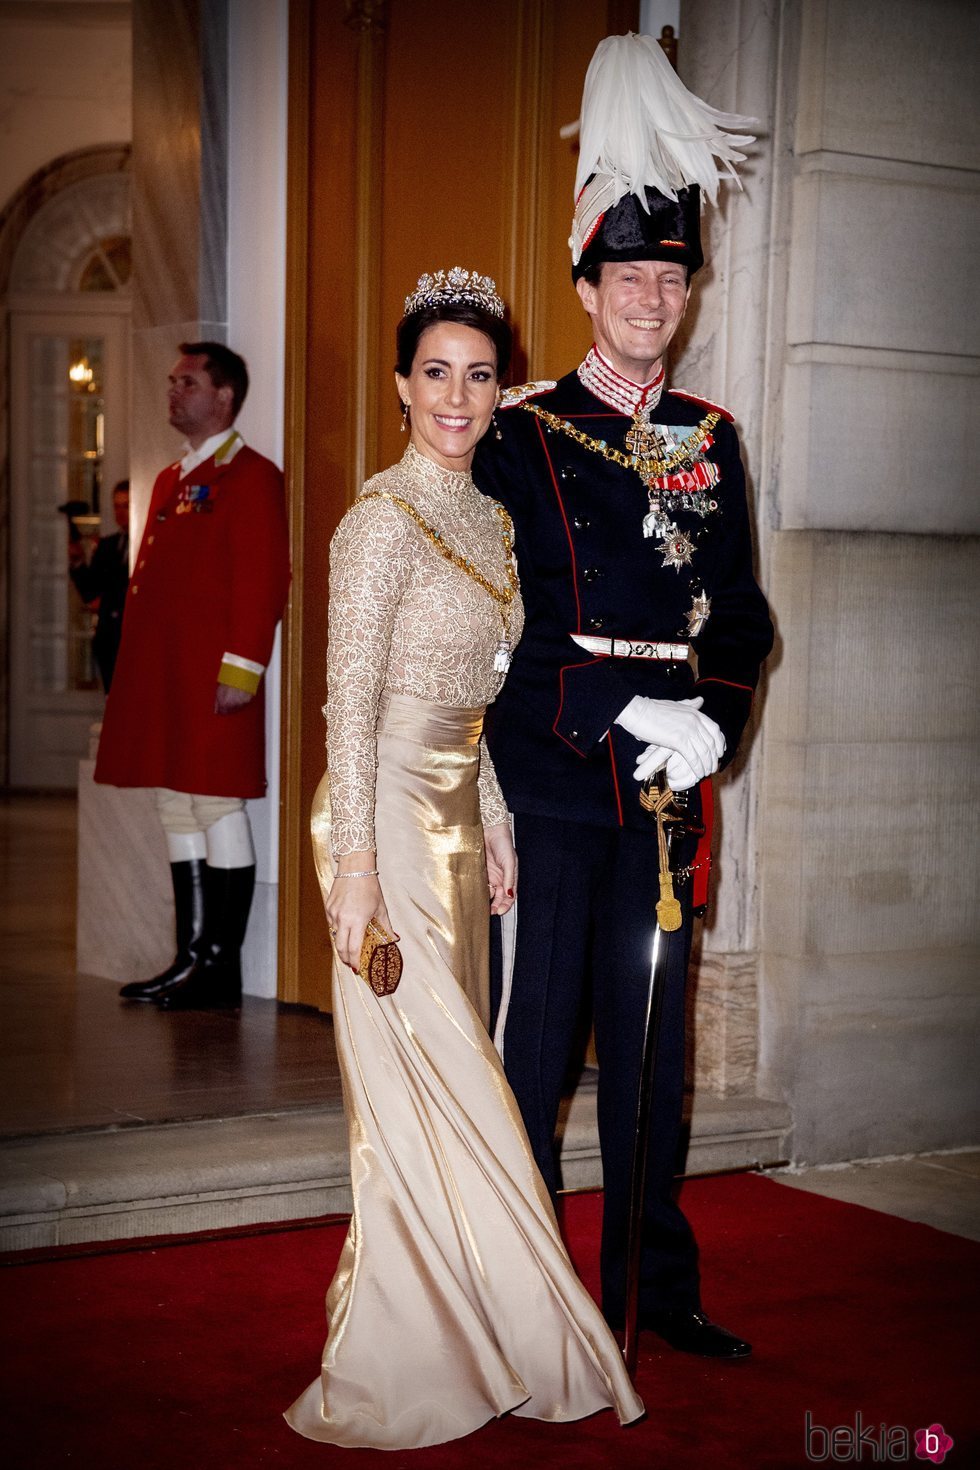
pixel 381 959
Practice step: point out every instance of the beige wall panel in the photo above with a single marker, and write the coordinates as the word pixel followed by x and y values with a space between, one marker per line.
pixel 886 1064
pixel 885 262
pixel 890 855
pixel 891 78
pixel 877 447
pixel 869 850
pixel 870 935
pixel 881 639
pixel 783 833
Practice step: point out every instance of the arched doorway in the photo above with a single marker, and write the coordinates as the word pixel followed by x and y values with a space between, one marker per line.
pixel 69 311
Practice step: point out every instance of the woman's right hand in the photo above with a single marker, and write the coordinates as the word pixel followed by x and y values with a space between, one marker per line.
pixel 350 903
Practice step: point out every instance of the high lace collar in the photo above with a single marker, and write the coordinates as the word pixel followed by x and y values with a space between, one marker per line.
pixel 615 391
pixel 435 477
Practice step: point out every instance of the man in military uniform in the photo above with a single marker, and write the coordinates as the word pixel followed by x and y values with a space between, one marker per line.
pixel 186 712
pixel 634 550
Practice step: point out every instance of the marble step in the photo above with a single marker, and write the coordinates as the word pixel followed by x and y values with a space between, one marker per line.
pixel 169 1180
pixel 737 1132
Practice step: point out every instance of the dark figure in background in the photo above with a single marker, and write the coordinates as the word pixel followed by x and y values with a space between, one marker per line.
pixel 103 581
pixel 632 536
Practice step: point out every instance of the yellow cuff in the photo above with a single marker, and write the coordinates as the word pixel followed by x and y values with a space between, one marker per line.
pixel 238 677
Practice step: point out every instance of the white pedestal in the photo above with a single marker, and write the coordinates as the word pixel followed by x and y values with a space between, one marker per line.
pixel 125 927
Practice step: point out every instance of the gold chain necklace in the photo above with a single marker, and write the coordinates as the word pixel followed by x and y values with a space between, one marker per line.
pixel 647 466
pixel 502 596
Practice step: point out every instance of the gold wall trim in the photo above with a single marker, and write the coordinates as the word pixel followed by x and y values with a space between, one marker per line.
pixel 366 15
pixel 369 172
pixel 530 107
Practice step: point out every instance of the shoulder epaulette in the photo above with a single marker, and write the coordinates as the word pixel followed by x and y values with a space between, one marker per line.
pixel 514 397
pixel 704 403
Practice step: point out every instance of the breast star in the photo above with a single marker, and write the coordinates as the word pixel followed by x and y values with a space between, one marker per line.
pixel 678 548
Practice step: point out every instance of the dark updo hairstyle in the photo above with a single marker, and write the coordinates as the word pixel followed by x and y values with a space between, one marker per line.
pixel 466 314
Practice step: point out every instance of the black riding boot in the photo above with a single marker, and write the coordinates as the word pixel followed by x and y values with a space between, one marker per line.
pixel 215 982
pixel 188 880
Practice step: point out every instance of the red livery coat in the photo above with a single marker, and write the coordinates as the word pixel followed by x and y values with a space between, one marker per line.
pixel 210 580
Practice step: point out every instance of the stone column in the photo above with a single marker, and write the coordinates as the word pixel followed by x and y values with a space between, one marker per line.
pixel 842 310
pixel 869 1007
pixel 727 55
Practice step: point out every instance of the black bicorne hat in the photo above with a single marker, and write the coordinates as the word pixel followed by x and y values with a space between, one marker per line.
pixel 670 231
pixel 645 139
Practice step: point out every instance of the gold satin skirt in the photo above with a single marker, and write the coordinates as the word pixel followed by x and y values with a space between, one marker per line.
pixel 454 1299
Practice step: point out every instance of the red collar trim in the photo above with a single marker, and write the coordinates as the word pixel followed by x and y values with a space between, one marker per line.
pixel 603 382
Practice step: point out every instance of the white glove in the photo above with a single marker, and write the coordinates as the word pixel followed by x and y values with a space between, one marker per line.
pixel 680 777
pixel 679 726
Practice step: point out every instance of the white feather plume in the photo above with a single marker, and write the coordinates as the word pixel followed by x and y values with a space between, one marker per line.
pixel 641 126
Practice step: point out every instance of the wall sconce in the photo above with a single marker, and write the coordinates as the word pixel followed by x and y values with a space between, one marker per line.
pixel 80 372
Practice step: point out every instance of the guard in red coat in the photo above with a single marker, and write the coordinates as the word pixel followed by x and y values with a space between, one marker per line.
pixel 186 711
pixel 635 557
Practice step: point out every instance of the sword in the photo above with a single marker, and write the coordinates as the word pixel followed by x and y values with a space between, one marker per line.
pixel 665 806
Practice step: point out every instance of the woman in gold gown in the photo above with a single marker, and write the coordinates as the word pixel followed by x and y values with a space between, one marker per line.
pixel 454 1300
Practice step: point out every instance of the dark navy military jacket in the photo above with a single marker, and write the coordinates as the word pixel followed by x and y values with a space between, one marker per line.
pixel 586 567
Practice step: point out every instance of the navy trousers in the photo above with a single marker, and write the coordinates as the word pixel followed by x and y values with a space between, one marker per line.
pixel 586 915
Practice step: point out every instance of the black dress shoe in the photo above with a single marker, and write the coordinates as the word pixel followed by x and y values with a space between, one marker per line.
pixel 690 1331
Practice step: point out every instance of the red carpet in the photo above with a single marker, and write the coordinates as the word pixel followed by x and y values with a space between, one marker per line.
pixel 182 1357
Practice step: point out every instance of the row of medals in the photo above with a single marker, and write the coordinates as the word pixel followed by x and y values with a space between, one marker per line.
pixel 645 441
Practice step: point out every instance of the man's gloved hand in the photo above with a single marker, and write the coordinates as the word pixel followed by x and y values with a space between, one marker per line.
pixel 675 731
pixel 680 777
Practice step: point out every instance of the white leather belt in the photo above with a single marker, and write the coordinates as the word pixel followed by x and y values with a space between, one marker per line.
pixel 631 647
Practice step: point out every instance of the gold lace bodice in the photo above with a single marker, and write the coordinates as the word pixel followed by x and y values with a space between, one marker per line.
pixel 404 620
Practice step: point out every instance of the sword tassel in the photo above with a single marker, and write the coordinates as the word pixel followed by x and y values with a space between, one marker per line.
pixel 668 908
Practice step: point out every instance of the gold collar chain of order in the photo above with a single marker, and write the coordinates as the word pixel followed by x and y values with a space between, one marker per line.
pixel 502 596
pixel 647 467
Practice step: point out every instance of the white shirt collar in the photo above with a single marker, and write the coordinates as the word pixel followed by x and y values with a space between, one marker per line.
pixel 191 458
pixel 604 383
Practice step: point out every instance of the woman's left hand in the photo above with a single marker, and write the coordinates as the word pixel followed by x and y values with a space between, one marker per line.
pixel 501 867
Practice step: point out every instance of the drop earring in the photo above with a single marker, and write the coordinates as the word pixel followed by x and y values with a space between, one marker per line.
pixel 405 408
pixel 496 427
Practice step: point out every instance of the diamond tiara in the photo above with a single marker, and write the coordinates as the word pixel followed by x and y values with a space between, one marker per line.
pixel 455 285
